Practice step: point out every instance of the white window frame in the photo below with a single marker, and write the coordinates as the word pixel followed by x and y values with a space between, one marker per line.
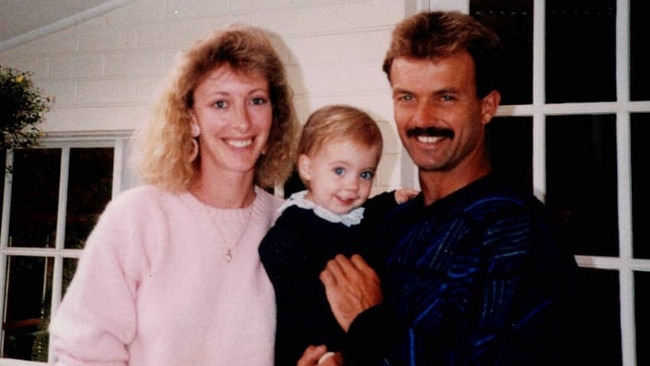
pixel 122 179
pixel 622 108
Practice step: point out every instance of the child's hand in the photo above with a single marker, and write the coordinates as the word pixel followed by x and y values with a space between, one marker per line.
pixel 318 355
pixel 404 194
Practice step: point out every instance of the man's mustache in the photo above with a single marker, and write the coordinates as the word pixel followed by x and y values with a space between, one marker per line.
pixel 430 131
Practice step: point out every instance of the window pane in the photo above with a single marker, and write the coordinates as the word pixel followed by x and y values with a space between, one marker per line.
pixel 601 329
pixel 34 198
pixel 581 181
pixel 513 21
pixel 580 51
pixel 642 304
pixel 640 128
pixel 89 189
pixel 639 55
pixel 511 148
pixel 29 285
pixel 69 268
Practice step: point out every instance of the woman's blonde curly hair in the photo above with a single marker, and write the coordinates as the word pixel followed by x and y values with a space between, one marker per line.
pixel 164 146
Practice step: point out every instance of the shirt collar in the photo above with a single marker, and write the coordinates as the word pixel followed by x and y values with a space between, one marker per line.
pixel 353 217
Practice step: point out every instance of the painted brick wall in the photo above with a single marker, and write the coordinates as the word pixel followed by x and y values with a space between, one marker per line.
pixel 103 72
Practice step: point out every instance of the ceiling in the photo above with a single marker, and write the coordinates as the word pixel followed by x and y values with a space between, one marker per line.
pixel 22 20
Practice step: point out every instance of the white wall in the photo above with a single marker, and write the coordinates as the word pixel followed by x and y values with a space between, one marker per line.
pixel 104 71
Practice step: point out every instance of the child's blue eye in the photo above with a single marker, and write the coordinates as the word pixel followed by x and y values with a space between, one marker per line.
pixel 220 104
pixel 339 171
pixel 367 175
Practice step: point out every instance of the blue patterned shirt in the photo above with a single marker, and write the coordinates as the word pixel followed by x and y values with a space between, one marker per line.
pixel 476 278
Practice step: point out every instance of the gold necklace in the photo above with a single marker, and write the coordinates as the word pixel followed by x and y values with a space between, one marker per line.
pixel 229 255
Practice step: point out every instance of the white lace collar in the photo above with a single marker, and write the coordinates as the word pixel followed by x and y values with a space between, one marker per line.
pixel 353 217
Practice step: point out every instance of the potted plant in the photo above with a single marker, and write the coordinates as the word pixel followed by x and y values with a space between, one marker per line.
pixel 22 109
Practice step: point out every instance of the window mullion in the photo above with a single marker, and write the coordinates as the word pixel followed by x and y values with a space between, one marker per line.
pixel 59 243
pixel 6 207
pixel 624 178
pixel 118 164
pixel 63 197
pixel 4 237
pixel 539 118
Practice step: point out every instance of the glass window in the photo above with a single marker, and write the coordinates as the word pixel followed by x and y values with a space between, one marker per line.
pixel 580 57
pixel 69 268
pixel 639 55
pixel 642 304
pixel 89 189
pixel 57 195
pixel 581 181
pixel 640 130
pixel 510 145
pixel 34 197
pixel 514 24
pixel 29 294
pixel 600 330
pixel 586 150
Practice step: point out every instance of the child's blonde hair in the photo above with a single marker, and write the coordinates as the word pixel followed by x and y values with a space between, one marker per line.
pixel 339 122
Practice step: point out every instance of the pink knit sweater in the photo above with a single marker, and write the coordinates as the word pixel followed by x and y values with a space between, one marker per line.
pixel 153 287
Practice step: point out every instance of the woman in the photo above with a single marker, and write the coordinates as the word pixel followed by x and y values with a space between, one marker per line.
pixel 170 275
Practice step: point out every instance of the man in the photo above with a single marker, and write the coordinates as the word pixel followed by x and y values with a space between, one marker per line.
pixel 472 274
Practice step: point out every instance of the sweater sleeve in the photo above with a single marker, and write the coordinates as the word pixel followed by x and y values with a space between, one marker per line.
pixel 374 329
pixel 379 205
pixel 97 317
pixel 282 250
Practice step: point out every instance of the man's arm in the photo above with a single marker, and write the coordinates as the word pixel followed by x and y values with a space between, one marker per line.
pixel 351 287
pixel 354 292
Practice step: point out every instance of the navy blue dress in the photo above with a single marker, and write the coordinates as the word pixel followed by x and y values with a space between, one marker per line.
pixel 294 252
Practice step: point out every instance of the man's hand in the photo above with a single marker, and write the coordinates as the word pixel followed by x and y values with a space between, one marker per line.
pixel 351 287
